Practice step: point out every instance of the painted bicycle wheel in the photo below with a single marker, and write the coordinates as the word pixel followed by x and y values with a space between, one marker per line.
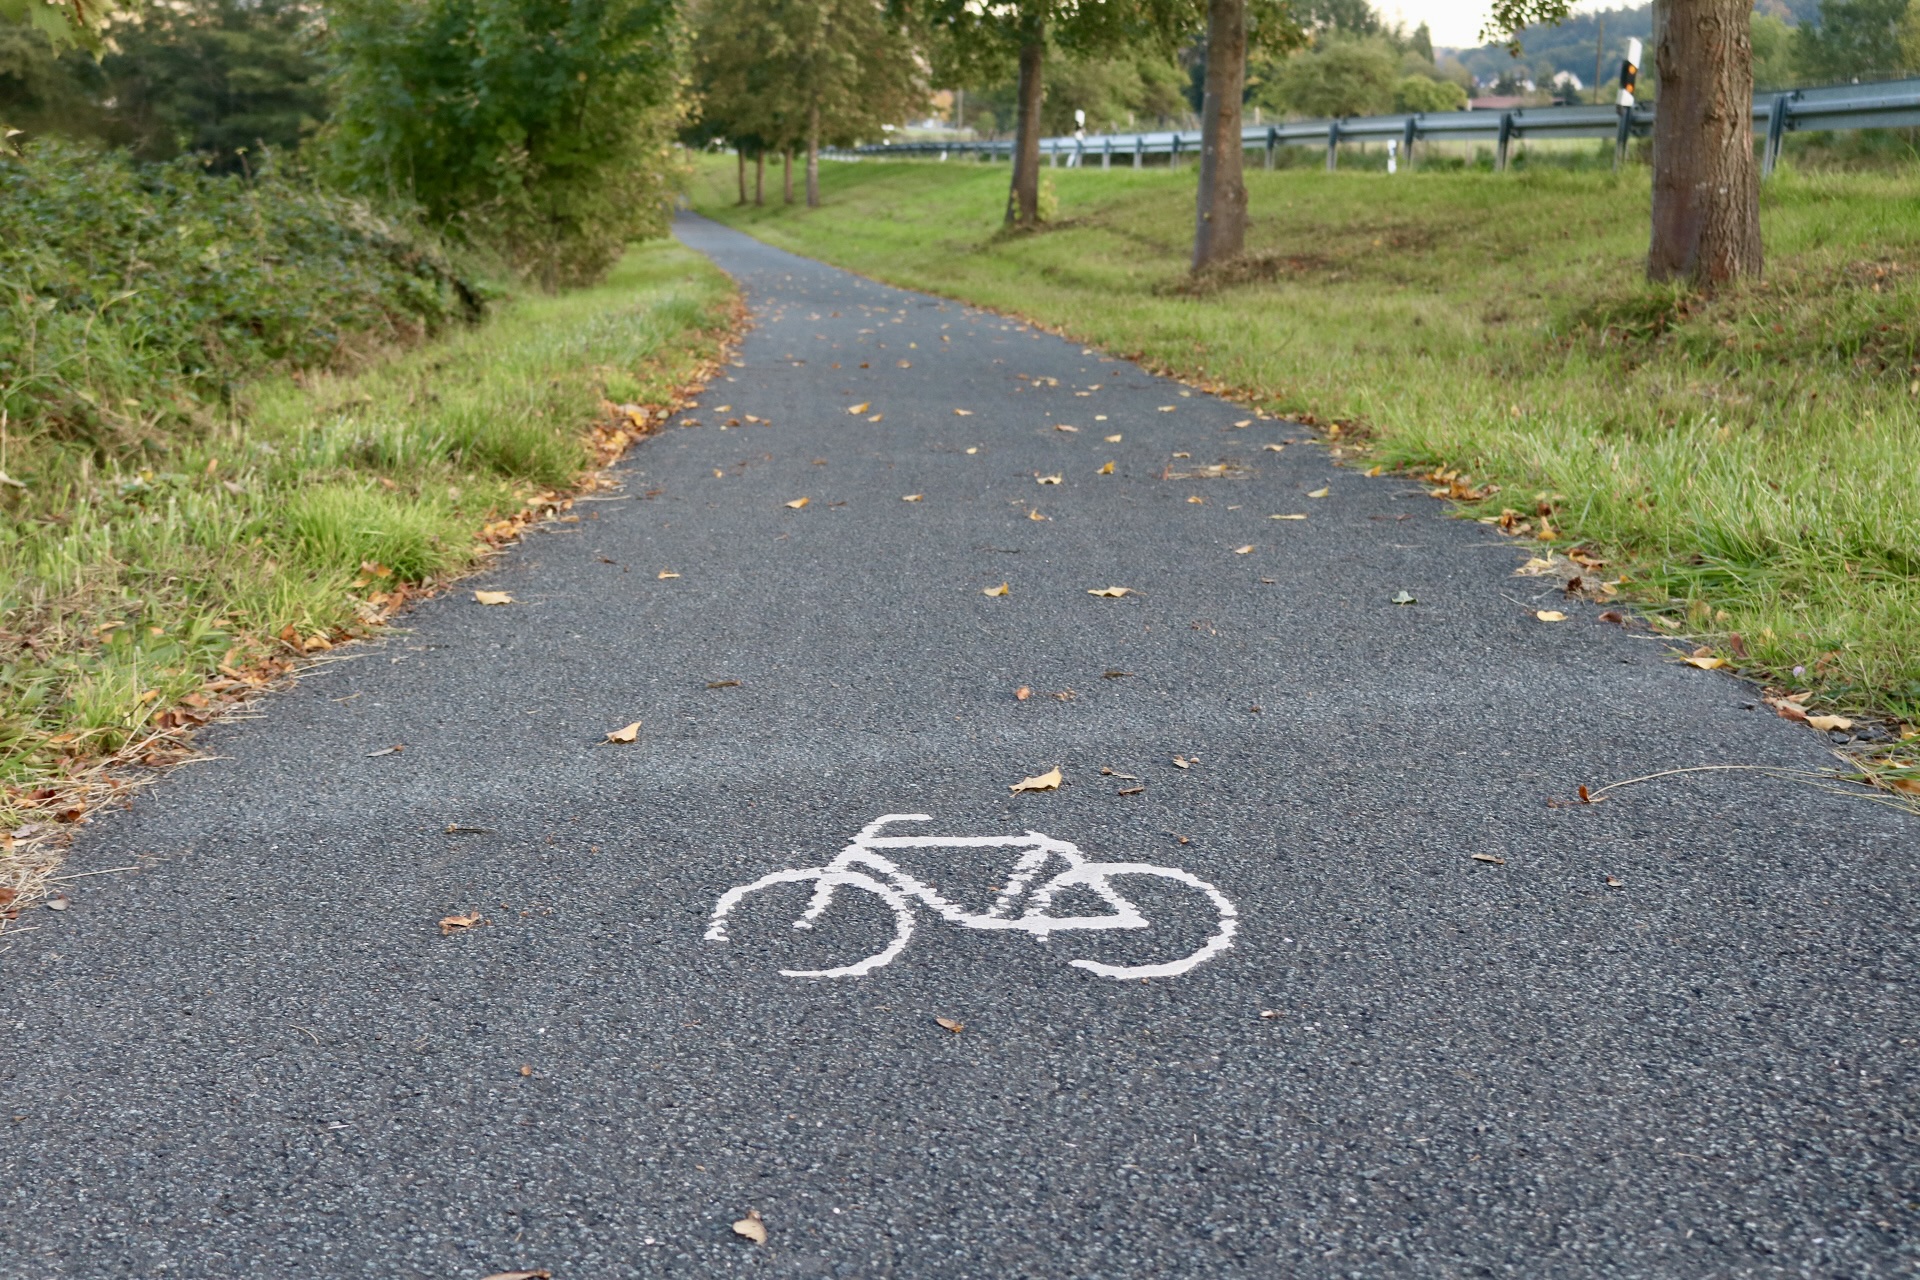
pixel 1159 907
pixel 832 907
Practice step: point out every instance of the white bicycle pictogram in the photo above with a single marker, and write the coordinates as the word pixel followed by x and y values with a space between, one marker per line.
pixel 864 866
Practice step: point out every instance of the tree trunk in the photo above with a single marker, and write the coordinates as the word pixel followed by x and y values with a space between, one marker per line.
pixel 813 156
pixel 1706 187
pixel 741 156
pixel 759 177
pixel 786 187
pixel 1023 198
pixel 1220 226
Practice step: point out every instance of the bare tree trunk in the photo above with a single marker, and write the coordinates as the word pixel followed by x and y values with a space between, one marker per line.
pixel 786 190
pixel 1706 187
pixel 741 156
pixel 759 177
pixel 1220 225
pixel 1023 198
pixel 813 155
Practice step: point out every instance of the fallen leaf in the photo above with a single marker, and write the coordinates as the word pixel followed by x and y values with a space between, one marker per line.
pixel 951 1025
pixel 1168 408
pixel 1113 593
pixel 723 684
pixel 1048 781
pixel 1274 448
pixel 798 503
pixel 1035 515
pixel 1181 762
pixel 1287 517
pixel 627 734
pixel 393 750
pixel 1109 773
pixel 1022 693
pixel 1374 470
pixel 493 597
pixel 1130 791
pixel 1404 597
pixel 860 408
pixel 449 923
pixel 903 364
pixel 1549 615
pixel 1241 551
pixel 1196 498
pixel 875 417
pixel 1244 422
pixel 1114 674
pixel 1053 479
pixel 1321 492
pixel 59 902
pixel 1269 1013
pixel 1612 883
pixel 526 1069
pixel 1487 857
pixel 1108 469
pixel 667 573
pixel 751 1227
pixel 1614 616
pixel 1824 723
pixel 963 413
pixel 1113 439
pixel 520 1275
pixel 1705 664
pixel 912 497
pixel 994 591
pixel 1061 426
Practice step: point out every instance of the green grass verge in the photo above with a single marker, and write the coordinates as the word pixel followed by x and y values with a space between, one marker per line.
pixel 125 585
pixel 1752 464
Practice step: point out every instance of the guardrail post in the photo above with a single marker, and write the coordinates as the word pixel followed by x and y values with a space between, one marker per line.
pixel 1173 161
pixel 1106 154
pixel 1273 144
pixel 1406 138
pixel 1620 137
pixel 1506 135
pixel 1333 145
pixel 1776 132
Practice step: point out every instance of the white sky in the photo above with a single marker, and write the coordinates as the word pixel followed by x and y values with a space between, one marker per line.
pixel 1456 23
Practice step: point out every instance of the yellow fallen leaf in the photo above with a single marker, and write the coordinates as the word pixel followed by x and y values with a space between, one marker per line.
pixel 1113 439
pixel 950 1025
pixel 1824 723
pixel 1061 426
pixel 1274 448
pixel 798 503
pixel 1053 479
pixel 668 573
pixel 723 408
pixel 1035 515
pixel 1168 408
pixel 1241 551
pixel 1321 493
pixel 1705 664
pixel 1244 422
pixel 1108 469
pixel 974 449
pixel 1196 499
pixel 1374 470
pixel 860 408
pixel 449 923
pixel 1288 517
pixel 876 417
pixel 912 497
pixel 994 591
pixel 1048 781
pixel 1549 615
pixel 1112 592
pixel 963 413
pixel 1022 693
pixel 1487 857
pixel 520 1275
pixel 628 734
pixel 751 1227
pixel 493 597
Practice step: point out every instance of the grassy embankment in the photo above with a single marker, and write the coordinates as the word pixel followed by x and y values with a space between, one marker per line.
pixel 180 524
pixel 1752 465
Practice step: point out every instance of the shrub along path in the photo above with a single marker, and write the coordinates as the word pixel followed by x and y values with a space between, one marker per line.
pixel 461 1009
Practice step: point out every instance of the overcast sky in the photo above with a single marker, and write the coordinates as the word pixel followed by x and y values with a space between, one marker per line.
pixel 1456 23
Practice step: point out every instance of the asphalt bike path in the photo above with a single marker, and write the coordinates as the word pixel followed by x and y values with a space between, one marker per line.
pixel 1299 972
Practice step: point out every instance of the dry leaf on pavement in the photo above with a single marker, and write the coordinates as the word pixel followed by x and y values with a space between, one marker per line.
pixel 1487 857
pixel 963 413
pixel 393 750
pixel 862 407
pixel 626 734
pixel 520 1275
pixel 798 503
pixel 1706 663
pixel 1321 492
pixel 1241 551
pixel 751 1227
pixel 1404 597
pixel 667 573
pixel 1113 593
pixel 1274 448
pixel 912 497
pixel 1549 615
pixel 1061 426
pixel 1022 693
pixel 1000 590
pixel 449 923
pixel 1107 470
pixel 1824 723
pixel 493 597
pixel 1295 516
pixel 951 1025
pixel 1053 479
pixel 1113 439
pixel 1048 781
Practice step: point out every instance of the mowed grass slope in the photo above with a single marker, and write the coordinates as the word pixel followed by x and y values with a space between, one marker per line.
pixel 1752 465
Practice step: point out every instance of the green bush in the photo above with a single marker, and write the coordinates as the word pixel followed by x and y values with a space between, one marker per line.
pixel 134 297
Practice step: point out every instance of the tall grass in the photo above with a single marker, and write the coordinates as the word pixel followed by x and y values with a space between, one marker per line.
pixel 1752 464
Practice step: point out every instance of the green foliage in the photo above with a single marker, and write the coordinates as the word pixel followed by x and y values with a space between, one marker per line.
pixel 1341 76
pixel 1424 93
pixel 133 297
pixel 1773 53
pixel 539 129
pixel 1120 92
pixel 1853 39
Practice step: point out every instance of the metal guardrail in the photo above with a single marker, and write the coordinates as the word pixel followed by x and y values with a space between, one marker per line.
pixel 1886 104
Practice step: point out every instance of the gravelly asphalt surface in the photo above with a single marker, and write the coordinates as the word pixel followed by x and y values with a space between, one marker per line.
pixel 258 1056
